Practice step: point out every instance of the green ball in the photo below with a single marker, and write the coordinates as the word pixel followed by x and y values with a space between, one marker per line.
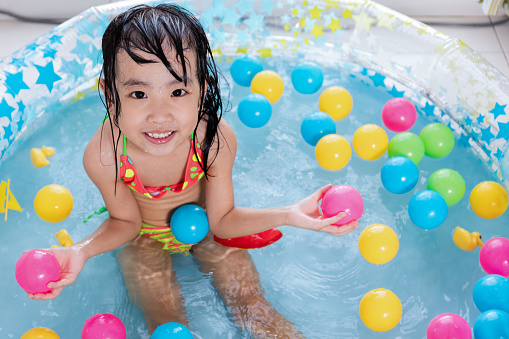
pixel 407 144
pixel 438 140
pixel 449 184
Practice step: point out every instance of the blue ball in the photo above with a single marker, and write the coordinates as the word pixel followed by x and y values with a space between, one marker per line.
pixel 492 324
pixel 171 331
pixel 254 110
pixel 399 175
pixel 427 209
pixel 244 69
pixel 189 224
pixel 315 126
pixel 491 292
pixel 307 77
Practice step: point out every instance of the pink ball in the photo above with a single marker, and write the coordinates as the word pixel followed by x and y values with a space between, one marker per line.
pixel 343 198
pixel 448 326
pixel 35 269
pixel 103 326
pixel 494 256
pixel 399 114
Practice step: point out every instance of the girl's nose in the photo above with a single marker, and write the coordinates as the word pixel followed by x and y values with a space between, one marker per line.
pixel 160 112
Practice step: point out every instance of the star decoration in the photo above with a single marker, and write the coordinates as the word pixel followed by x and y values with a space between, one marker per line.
pixel 486 134
pixel 315 13
pixel 364 20
pixel 378 79
pixel 347 13
pixel 15 81
pixel 334 25
pixel 498 110
pixel 265 52
pixel 429 110
pixel 331 3
pixel 49 52
pixel 503 130
pixel 317 31
pixel 79 96
pixel 395 93
pixel 47 75
pixel 480 119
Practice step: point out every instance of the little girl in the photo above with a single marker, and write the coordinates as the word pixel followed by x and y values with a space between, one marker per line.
pixel 164 145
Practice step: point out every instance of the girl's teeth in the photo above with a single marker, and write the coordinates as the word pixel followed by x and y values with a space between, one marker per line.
pixel 159 136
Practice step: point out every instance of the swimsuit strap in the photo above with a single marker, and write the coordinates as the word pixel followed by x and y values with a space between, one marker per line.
pixel 124 147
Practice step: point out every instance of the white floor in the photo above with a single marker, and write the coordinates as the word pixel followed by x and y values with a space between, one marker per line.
pixel 491 41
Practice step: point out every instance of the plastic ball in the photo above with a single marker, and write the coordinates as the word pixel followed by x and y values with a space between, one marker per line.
pixel 407 144
pixel 491 292
pixel 427 209
pixel 343 198
pixel 399 114
pixel 268 84
pixel 494 256
pixel 315 126
pixel 254 110
pixel 171 330
pixel 53 203
pixel 380 310
pixel 449 184
pixel 189 224
pixel 448 326
pixel 244 69
pixel 103 326
pixel 307 77
pixel 35 269
pixel 492 324
pixel 370 142
pixel 336 101
pixel 438 140
pixel 40 333
pixel 378 244
pixel 333 152
pixel 489 200
pixel 399 175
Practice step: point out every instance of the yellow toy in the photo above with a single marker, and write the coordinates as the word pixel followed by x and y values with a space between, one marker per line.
pixel 269 84
pixel 378 244
pixel 38 156
pixel 465 240
pixel 64 238
pixel 40 333
pixel 380 310
pixel 7 200
pixel 333 152
pixel 489 200
pixel 370 142
pixel 336 101
pixel 53 203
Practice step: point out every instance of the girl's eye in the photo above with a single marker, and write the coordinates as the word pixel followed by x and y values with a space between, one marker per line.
pixel 178 92
pixel 138 95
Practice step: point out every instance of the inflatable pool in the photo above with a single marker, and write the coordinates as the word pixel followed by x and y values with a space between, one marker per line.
pixel 49 96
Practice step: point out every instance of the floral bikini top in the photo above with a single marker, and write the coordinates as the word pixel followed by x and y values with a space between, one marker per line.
pixel 193 173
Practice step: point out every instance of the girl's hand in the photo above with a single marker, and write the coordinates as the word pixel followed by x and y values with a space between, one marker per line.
pixel 71 261
pixel 305 214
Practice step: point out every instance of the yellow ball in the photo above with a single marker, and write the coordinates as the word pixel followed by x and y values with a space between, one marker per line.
pixel 333 152
pixel 335 101
pixel 370 142
pixel 40 333
pixel 269 84
pixel 489 200
pixel 380 310
pixel 378 244
pixel 53 203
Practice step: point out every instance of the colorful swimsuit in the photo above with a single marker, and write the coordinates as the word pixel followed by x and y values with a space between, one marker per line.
pixel 193 173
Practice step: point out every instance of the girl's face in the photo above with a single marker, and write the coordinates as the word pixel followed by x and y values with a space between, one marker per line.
pixel 158 112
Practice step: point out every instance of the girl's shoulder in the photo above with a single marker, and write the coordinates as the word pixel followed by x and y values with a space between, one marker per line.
pixel 99 155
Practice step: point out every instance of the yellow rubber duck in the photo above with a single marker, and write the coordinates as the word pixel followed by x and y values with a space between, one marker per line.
pixel 64 238
pixel 38 156
pixel 465 240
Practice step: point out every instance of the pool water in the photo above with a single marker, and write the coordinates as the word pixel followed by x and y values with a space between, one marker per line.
pixel 316 280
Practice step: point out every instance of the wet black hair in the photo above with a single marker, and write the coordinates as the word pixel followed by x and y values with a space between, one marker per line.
pixel 150 30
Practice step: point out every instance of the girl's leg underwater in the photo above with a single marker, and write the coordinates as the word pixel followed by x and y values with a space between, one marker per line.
pixel 150 280
pixel 237 280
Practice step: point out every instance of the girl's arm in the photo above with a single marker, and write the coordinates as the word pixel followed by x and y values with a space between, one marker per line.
pixel 229 221
pixel 122 226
